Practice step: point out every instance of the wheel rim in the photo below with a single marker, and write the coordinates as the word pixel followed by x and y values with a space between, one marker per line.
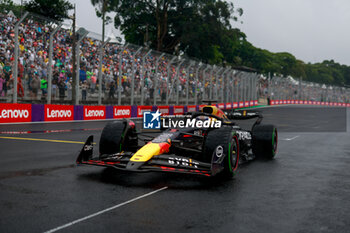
pixel 234 153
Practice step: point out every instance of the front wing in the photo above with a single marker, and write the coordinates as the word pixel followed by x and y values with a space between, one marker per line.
pixel 161 163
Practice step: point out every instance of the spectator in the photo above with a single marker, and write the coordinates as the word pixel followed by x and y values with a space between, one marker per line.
pixel 61 89
pixel 112 88
pixel 84 88
pixel 2 84
pixel 69 89
pixel 43 87
pixel 35 85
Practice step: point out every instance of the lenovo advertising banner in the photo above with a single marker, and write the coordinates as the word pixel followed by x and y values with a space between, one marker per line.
pixel 164 110
pixel 178 110
pixel 58 112
pixel 94 112
pixel 141 109
pixel 11 113
pixel 191 108
pixel 121 112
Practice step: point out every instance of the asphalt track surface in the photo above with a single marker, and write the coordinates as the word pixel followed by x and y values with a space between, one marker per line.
pixel 306 188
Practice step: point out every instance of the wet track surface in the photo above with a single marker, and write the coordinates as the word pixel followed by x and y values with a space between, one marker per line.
pixel 305 189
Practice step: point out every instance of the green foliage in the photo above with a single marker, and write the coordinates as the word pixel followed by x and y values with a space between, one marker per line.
pixel 196 27
pixel 54 9
pixel 9 5
pixel 6 3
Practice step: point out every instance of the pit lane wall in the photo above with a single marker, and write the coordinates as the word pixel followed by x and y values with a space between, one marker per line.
pixel 21 113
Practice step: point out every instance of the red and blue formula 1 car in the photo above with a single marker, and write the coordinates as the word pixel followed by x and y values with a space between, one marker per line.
pixel 194 150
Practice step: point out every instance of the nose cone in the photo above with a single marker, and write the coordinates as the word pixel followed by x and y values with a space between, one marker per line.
pixel 149 150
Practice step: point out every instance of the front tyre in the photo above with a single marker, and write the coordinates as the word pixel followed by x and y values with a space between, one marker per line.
pixel 118 136
pixel 225 139
pixel 264 141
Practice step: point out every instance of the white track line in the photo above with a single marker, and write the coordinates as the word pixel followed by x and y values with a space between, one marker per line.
pixel 290 139
pixel 104 211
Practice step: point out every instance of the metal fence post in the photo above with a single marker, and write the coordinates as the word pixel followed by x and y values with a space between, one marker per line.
pixel 233 75
pixel 256 87
pixel 211 83
pixel 120 74
pixel 224 85
pixel 168 80
pixel 196 83
pixel 216 82
pixel 156 81
pixel 204 81
pixel 238 85
pixel 242 94
pixel 142 76
pixel 77 76
pixel 15 64
pixel 250 96
pixel 251 87
pixel 247 79
pixel 100 49
pixel 188 79
pixel 49 81
pixel 178 81
pixel 133 76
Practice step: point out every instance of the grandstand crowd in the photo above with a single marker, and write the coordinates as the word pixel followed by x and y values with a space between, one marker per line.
pixel 34 58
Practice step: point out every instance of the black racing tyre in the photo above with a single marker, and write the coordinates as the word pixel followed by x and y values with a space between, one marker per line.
pixel 116 138
pixel 227 138
pixel 111 137
pixel 264 141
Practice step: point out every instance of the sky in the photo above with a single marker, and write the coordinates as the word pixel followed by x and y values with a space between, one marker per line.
pixel 311 30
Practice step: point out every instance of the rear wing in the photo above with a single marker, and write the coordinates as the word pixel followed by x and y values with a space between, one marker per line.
pixel 243 115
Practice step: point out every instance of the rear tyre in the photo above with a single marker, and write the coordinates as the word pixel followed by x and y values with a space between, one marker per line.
pixel 117 137
pixel 226 138
pixel 264 141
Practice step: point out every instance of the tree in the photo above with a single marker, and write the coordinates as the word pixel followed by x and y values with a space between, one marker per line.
pixel 54 9
pixel 9 5
pixel 194 26
pixel 102 7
